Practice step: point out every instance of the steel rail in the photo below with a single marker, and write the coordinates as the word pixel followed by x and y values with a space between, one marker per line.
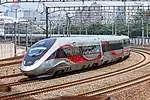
pixel 73 83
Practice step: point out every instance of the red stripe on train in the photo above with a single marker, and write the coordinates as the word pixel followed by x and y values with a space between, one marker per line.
pixel 113 53
pixel 66 46
pixel 81 59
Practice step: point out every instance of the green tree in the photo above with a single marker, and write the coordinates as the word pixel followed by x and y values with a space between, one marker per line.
pixel 141 15
pixel 98 29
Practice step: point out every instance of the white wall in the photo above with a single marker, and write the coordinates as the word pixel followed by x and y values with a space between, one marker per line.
pixel 6 50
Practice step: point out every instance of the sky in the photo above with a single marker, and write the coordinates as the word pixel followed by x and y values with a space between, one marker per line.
pixel 39 6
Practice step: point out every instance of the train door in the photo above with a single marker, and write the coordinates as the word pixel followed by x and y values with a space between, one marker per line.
pixel 106 52
pixel 126 47
pixel 64 58
pixel 77 56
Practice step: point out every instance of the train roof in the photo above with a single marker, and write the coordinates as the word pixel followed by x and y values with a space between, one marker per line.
pixel 91 38
pixel 100 37
pixel 86 40
pixel 59 35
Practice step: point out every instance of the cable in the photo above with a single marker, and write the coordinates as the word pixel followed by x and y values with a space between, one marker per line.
pixel 139 4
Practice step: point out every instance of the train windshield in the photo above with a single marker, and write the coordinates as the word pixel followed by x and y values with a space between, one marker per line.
pixel 41 47
pixel 36 51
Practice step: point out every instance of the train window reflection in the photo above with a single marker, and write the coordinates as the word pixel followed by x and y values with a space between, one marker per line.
pixel 36 51
pixel 68 51
pixel 60 53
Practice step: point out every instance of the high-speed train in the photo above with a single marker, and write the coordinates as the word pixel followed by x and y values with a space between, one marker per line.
pixel 64 54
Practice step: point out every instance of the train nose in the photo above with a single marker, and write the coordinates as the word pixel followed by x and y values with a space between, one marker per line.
pixel 33 72
pixel 44 68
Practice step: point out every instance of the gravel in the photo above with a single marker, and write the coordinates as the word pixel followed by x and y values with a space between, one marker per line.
pixel 87 87
pixel 134 58
pixel 9 70
pixel 51 82
pixel 137 92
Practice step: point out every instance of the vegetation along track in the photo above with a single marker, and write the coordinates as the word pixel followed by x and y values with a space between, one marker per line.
pixel 74 83
pixel 11 61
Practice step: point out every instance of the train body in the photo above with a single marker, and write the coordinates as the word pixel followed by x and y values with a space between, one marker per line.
pixel 64 54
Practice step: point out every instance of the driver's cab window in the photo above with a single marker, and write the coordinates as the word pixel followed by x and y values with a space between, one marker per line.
pixel 60 53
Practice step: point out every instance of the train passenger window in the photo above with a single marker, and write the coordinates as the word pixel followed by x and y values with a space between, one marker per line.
pixel 60 53
pixel 126 43
pixel 120 46
pixel 116 46
pixel 109 47
pixel 68 51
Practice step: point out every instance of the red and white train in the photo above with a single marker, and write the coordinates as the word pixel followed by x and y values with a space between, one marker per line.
pixel 65 54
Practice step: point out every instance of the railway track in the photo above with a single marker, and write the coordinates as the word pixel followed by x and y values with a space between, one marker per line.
pixel 117 87
pixel 24 82
pixel 141 48
pixel 12 58
pixel 11 76
pixel 73 83
pixel 11 61
pixel 20 74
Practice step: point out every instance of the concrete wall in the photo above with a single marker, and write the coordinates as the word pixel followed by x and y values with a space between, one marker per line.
pixel 6 50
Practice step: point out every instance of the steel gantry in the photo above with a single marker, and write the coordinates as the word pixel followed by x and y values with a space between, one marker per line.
pixel 110 15
pixel 81 14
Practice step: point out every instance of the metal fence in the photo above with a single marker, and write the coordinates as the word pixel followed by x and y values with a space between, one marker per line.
pixel 94 19
pixel 6 49
pixel 139 41
pixel 128 20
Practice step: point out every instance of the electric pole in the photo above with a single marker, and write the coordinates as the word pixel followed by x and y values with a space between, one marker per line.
pixel 15 40
pixel 46 22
